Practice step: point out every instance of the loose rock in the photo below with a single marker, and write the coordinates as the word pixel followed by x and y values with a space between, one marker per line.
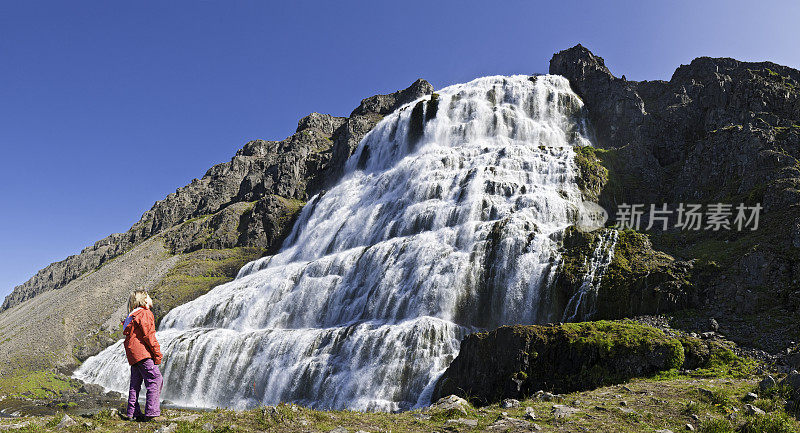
pixel 509 403
pixel 753 410
pixel 167 428
pixel 66 421
pixel 529 414
pixel 767 383
pixel 561 411
pixel 463 421
pixel 451 404
pixel 750 396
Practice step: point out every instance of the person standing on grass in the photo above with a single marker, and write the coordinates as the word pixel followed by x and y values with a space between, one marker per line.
pixel 144 356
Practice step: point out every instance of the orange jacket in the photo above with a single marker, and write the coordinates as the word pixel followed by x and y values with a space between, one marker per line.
pixel 140 337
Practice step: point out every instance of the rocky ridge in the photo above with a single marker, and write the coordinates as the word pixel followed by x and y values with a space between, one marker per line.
pixel 719 131
pixel 247 201
pixel 194 239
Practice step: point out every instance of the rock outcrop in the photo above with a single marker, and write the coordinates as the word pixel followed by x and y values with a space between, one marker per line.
pixel 719 131
pixel 246 202
pixel 517 361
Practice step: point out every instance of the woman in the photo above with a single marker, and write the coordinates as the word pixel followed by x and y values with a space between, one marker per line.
pixel 144 354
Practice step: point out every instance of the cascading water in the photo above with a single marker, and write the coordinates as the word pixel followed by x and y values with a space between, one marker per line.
pixel 582 305
pixel 447 220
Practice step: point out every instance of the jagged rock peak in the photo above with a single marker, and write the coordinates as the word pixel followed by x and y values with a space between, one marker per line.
pixel 385 104
pixel 325 123
pixel 578 61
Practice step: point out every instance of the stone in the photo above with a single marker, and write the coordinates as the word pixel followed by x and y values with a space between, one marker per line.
pixel 503 424
pixel 167 428
pixel 792 380
pixel 767 383
pixel 66 422
pixel 547 396
pixel 664 431
pixel 463 421
pixel 689 427
pixel 712 323
pixel 749 409
pixel 509 403
pixel 92 389
pixel 750 396
pixel 562 411
pixel 339 429
pixel 705 392
pixel 451 404
pixel 208 427
pixel 529 414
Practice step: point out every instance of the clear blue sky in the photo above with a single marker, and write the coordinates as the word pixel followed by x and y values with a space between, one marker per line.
pixel 106 107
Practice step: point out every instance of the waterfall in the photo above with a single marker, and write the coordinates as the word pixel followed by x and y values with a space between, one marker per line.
pixel 447 221
pixel 582 305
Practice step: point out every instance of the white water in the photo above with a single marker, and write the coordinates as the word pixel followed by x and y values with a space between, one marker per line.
pixel 582 305
pixel 420 243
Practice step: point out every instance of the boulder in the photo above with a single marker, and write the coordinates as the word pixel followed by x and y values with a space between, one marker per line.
pixel 514 361
pixel 450 405
pixel 66 422
pixel 767 383
pixel 749 409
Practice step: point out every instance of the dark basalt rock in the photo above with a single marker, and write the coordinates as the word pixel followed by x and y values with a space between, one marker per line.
pixel 719 130
pixel 517 361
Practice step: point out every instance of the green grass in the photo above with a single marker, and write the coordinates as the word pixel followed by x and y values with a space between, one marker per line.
pixel 198 272
pixel 650 404
pixel 34 384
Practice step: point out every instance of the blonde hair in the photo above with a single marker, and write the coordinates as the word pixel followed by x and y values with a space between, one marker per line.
pixel 139 298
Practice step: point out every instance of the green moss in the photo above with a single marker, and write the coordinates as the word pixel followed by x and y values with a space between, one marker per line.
pixel 292 208
pixel 592 174
pixel 198 272
pixel 634 272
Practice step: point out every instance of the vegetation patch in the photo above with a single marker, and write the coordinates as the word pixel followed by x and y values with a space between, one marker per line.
pixel 592 174
pixel 37 385
pixel 198 272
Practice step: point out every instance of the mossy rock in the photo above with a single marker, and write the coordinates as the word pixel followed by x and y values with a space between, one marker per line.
pixel 639 280
pixel 516 361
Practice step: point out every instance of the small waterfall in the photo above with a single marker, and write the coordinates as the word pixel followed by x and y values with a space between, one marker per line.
pixel 445 222
pixel 582 305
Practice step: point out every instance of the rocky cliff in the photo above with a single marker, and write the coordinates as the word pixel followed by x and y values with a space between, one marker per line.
pixel 719 131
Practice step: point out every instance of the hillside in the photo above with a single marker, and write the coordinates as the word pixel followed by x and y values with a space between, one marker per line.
pixel 194 239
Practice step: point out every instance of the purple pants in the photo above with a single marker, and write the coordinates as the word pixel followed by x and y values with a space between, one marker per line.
pixel 148 372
